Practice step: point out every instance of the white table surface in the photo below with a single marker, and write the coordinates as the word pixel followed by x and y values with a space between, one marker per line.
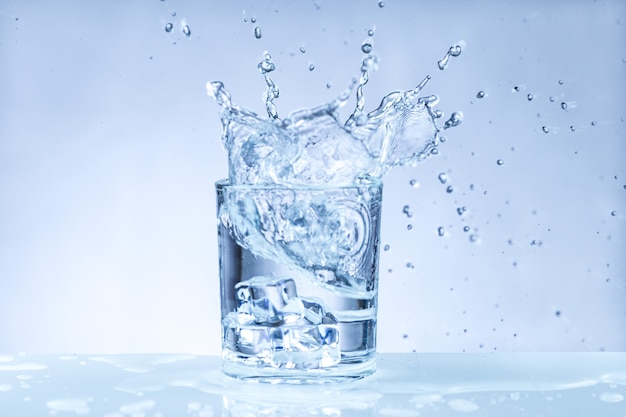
pixel 437 384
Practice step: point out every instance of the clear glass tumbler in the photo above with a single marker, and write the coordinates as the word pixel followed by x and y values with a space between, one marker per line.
pixel 299 280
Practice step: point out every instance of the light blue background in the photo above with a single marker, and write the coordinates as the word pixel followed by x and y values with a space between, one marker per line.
pixel 109 148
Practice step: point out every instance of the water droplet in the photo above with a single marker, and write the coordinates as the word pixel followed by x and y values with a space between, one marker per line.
pixel 449 189
pixel 245 19
pixel 169 27
pixel 407 210
pixel 545 129
pixel 311 67
pixel 516 88
pixel 552 99
pixel 474 238
pixel 386 248
pixel 187 30
pixel 410 265
pixel 466 229
pixel 253 20
pixel 480 94
pixel 572 128
pixel 441 231
pixel 611 397
pixel 302 50
pixel 381 4
pixel 614 213
pixel 461 210
pixel 413 183
pixel 594 123
pixel 500 162
pixel 529 97
pixel 454 50
pixel 328 85
pixel 257 32
pixel 557 313
pixel 561 82
pixel 409 227
pixel 366 47
pixel 455 119
pixel 266 65
pixel 564 105
pixel 443 178
pixel 370 32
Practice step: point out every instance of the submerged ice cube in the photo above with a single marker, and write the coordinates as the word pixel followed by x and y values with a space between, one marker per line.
pixel 274 327
pixel 269 299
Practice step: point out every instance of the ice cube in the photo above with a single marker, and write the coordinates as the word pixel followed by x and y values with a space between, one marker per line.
pixel 270 300
pixel 315 313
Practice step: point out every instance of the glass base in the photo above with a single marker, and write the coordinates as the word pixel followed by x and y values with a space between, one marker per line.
pixel 340 373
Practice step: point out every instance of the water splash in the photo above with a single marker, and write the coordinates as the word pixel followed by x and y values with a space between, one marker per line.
pixel 312 146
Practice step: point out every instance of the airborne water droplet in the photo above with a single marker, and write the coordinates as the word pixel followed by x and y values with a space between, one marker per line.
pixel 449 189
pixel 253 20
pixel 455 119
pixel 370 32
pixel 257 32
pixel 564 105
pixel 466 229
pixel 443 178
pixel 441 231
pixel 386 248
pixel 366 47
pixel 311 67
pixel 169 27
pixel 454 50
pixel 500 162
pixel 407 210
pixel 187 30
pixel 480 94
pixel 381 4
pixel 545 129
pixel 529 97
pixel 302 50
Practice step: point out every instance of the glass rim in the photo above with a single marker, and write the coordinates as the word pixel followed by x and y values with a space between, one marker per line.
pixel 367 183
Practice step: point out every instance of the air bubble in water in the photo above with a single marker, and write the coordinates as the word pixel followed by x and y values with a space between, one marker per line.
pixel 366 47
pixel 455 119
pixel 257 32
pixel 311 67
pixel 443 178
pixel 564 105
pixel 187 30
pixel 169 27
pixel 480 94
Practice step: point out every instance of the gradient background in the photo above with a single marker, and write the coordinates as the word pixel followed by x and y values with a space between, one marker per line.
pixel 109 148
